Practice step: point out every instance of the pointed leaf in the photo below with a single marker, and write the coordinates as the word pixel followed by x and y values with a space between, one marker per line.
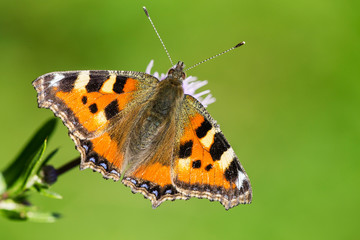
pixel 47 193
pixel 17 167
pixel 28 176
pixel 2 184
pixel 43 217
pixel 12 210
pixel 18 211
pixel 50 156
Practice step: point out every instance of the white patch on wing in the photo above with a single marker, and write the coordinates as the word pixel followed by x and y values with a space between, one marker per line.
pixel 108 85
pixel 57 77
pixel 240 179
pixel 82 80
pixel 208 139
pixel 184 163
pixel 100 118
pixel 226 159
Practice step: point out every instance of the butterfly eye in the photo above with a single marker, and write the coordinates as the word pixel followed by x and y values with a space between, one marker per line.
pixel 171 71
pixel 183 75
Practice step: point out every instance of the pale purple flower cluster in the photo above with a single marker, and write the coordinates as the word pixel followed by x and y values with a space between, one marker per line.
pixel 190 84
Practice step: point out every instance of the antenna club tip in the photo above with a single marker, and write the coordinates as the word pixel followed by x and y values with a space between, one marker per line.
pixel 240 44
pixel 146 11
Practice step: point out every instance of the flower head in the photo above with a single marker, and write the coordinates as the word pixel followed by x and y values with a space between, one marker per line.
pixel 191 84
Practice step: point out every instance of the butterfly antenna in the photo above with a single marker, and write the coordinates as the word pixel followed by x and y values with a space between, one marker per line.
pixel 148 16
pixel 236 46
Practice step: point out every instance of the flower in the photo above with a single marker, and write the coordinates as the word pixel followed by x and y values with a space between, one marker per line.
pixel 191 84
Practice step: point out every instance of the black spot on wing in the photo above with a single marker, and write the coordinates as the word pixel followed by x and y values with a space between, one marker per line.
pixel 209 167
pixel 232 172
pixel 93 108
pixel 84 99
pixel 112 109
pixel 203 129
pixel 87 145
pixel 104 165
pixel 186 149
pixel 67 84
pixel 145 184
pixel 169 189
pixel 96 81
pixel 119 84
pixel 196 164
pixel 156 191
pixel 92 157
pixel 219 146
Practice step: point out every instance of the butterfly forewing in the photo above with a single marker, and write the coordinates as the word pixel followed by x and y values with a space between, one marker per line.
pixel 88 102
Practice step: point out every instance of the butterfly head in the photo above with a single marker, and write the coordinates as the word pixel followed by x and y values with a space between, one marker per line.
pixel 177 72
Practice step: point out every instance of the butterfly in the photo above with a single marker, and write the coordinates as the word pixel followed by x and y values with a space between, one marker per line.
pixel 162 142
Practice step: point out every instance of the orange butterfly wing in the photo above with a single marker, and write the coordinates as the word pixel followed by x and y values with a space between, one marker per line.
pixel 206 166
pixel 89 103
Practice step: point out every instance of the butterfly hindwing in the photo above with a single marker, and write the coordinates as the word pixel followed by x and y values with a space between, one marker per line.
pixel 88 102
pixel 206 165
pixel 154 182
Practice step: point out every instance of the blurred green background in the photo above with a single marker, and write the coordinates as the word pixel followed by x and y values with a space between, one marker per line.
pixel 287 101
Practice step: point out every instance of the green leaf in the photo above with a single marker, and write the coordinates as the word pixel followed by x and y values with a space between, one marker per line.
pixel 24 174
pixel 50 156
pixel 28 176
pixel 43 217
pixel 47 193
pixel 13 210
pixel 2 184
pixel 28 162
pixel 18 211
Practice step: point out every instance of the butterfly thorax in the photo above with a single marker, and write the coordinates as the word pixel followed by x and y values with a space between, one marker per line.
pixel 168 95
pixel 158 115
